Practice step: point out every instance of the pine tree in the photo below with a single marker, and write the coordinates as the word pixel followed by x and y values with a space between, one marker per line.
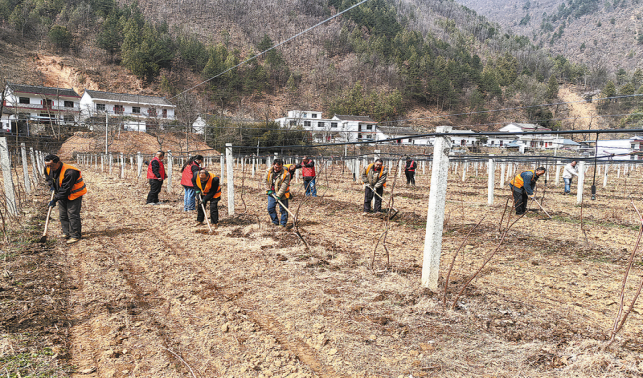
pixel 552 88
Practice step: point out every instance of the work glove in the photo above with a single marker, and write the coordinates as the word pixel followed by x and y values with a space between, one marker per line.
pixel 270 192
pixel 52 203
pixel 198 192
pixel 278 198
pixel 51 188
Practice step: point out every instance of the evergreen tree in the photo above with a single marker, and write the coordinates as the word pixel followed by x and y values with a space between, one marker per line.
pixel 609 90
pixel 60 36
pixel 552 88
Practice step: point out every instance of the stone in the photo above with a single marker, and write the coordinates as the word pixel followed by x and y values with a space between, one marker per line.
pixel 225 328
pixel 88 371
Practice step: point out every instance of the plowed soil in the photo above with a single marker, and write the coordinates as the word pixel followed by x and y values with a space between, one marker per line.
pixel 154 295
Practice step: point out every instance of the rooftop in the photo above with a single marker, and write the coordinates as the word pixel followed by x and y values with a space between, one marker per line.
pixel 124 97
pixel 391 130
pixel 47 91
pixel 364 119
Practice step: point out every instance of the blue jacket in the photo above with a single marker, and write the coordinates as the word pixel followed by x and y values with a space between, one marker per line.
pixel 528 185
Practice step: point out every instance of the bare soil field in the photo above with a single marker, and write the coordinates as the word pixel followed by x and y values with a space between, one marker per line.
pixel 148 294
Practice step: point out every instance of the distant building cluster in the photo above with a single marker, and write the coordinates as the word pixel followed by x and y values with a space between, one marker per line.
pixel 28 109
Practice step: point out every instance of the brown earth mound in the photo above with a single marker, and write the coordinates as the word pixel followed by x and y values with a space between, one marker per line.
pixel 130 142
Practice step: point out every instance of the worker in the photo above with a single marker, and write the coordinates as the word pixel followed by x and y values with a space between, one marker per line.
pixel 189 169
pixel 374 178
pixel 278 191
pixel 308 173
pixel 568 173
pixel 292 168
pixel 409 171
pixel 67 183
pixel 208 188
pixel 156 175
pixel 522 186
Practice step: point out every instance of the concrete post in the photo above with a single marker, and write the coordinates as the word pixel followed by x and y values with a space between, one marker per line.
pixel 25 168
pixel 34 166
pixel 254 166
pixel 503 168
pixel 122 158
pixel 9 193
pixel 464 171
pixel 435 214
pixel 491 182
pixel 222 163
pixel 131 162
pixel 618 172
pixel 139 164
pixel 605 176
pixel 581 182
pixel 557 173
pixel 477 164
pixel 423 168
pixel 111 160
pixel 168 171
pixel 228 152
pixel 358 173
pixel 102 163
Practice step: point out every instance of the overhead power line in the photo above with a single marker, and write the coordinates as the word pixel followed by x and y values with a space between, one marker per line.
pixel 272 48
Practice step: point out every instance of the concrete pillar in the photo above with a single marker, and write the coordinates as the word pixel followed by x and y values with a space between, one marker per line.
pixel 477 164
pixel 558 163
pixel 464 171
pixel 228 152
pixel 491 182
pixel 503 168
pixel 423 168
pixel 34 166
pixel 358 172
pixel 9 193
pixel 122 159
pixel 102 163
pixel 400 168
pixel 111 160
pixel 25 168
pixel 168 170
pixel 605 176
pixel 222 162
pixel 435 214
pixel 139 164
pixel 618 172
pixel 581 182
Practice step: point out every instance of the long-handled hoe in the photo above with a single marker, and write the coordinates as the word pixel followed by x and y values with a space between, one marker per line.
pixel 294 221
pixel 541 207
pixel 44 234
pixel 205 215
pixel 392 208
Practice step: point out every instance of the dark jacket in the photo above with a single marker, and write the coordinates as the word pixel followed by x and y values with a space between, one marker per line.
pixel 529 185
pixel 411 166
pixel 62 191
pixel 156 169
pixel 213 188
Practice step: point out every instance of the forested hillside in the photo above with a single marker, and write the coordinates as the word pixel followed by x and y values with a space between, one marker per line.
pixel 380 59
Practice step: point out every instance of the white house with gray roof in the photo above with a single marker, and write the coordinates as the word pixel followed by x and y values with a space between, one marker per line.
pixel 30 107
pixel 340 128
pixel 134 112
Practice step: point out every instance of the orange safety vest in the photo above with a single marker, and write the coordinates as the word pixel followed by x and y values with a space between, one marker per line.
pixel 208 185
pixel 79 187
pixel 381 172
pixel 287 194
pixel 517 181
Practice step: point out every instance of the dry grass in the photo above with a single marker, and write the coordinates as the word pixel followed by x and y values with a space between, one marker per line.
pixel 251 301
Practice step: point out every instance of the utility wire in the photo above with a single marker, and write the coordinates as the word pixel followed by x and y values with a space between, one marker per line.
pixel 273 47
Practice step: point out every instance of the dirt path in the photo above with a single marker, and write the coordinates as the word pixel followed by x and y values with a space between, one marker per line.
pixel 156 297
pixel 584 114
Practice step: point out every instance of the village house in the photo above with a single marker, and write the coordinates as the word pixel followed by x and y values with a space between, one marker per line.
pixel 340 128
pixel 401 134
pixel 28 109
pixel 132 112
pixel 617 149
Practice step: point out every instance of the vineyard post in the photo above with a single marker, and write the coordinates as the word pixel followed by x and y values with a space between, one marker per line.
pixel 503 168
pixel 477 169
pixel 557 173
pixel 605 176
pixel 390 165
pixel 229 159
pixel 139 164
pixel 435 213
pixel 170 162
pixel 356 171
pixel 122 158
pixel 102 163
pixel 131 162
pixel 618 172
pixel 491 183
pixel 222 163
pixel 25 168
pixel 111 160
pixel 464 171
pixel 254 166
pixel 5 161
pixel 581 182
pixel 40 158
pixel 34 166
pixel 423 168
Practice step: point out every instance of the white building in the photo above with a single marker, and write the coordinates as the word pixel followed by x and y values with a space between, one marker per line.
pixel 463 140
pixel 340 128
pixel 29 108
pixel 619 149
pixel 401 134
pixel 134 112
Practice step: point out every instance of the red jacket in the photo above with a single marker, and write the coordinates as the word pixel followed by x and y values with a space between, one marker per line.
pixel 308 169
pixel 150 172
pixel 186 176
